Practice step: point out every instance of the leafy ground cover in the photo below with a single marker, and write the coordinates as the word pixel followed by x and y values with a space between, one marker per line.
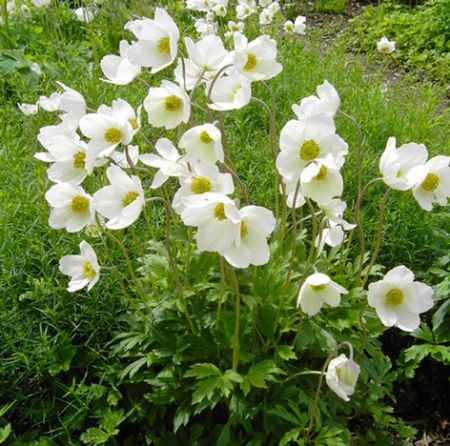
pixel 70 364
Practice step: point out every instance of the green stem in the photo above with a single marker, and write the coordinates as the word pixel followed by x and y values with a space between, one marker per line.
pixel 236 344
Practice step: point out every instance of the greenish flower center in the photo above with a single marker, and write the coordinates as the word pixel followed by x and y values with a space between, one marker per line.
pixel 113 135
pixel 394 297
pixel 205 138
pixel 244 229
pixel 251 62
pixel 201 185
pixel 79 160
pixel 318 287
pixel 219 212
pixel 164 45
pixel 134 123
pixel 87 269
pixel 309 150
pixel 172 103
pixel 322 173
pixel 430 183
pixel 80 203
pixel 129 198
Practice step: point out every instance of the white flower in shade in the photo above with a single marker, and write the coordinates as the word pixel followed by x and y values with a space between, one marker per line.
pixel 217 219
pixel 293 193
pixel 321 180
pixel 395 164
pixel 219 10
pixel 199 5
pixel 122 160
pixel 84 14
pixel 234 27
pixel 230 92
pixel 256 60
pixel 157 41
pixel 257 223
pixel 304 142
pixel 431 182
pixel 72 104
pixel 317 290
pixel 385 46
pixel 208 53
pixel 122 201
pixel 265 17
pixel 71 207
pixel 202 178
pixel 192 73
pixel 245 8
pixel 83 269
pixel 210 16
pixel 50 103
pixel 274 7
pixel 119 70
pixel 202 143
pixel 28 109
pixel 205 27
pixel 398 299
pixel 288 26
pixel 47 133
pixel 167 106
pixel 106 130
pixel 168 162
pixel 342 376
pixel 264 3
pixel 326 102
pixel 299 24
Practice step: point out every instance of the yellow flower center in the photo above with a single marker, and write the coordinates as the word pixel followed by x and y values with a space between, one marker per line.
pixel 399 173
pixel 322 173
pixel 172 103
pixel 430 183
pixel 201 185
pixel 113 135
pixel 385 49
pixel 309 150
pixel 80 203
pixel 338 372
pixel 394 297
pixel 87 269
pixel 164 45
pixel 79 160
pixel 134 123
pixel 235 91
pixel 219 212
pixel 244 229
pixel 205 138
pixel 251 62
pixel 318 287
pixel 129 198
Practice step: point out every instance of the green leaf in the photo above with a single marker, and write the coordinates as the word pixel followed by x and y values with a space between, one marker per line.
pixel 94 436
pixel 134 367
pixel 182 415
pixel 5 408
pixel 440 314
pixel 5 431
pixel 290 436
pixel 286 352
pixel 203 370
pixel 110 420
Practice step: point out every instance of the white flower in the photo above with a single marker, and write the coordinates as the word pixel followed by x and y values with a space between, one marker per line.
pixel 121 158
pixel 123 111
pixel 122 201
pixel 157 41
pixel 119 70
pixel 47 133
pixel 245 8
pixel 299 24
pixel 83 269
pixel 265 17
pixel 342 376
pixel 202 143
pixel 326 102
pixel 72 104
pixel 208 53
pixel 288 26
pixel 50 103
pixel 274 7
pixel 293 192
pixel 395 164
pixel 199 5
pixel 220 10
pixel 205 27
pixel 264 3
pixel 167 106
pixel 304 142
pixel 235 27
pixel 257 223
pixel 256 60
pixel 431 182
pixel 71 207
pixel 28 109
pixel 84 14
pixel 168 162
pixel 40 3
pixel 230 92
pixel 192 73
pixel 385 46
pixel 317 290
pixel 398 300
pixel 217 219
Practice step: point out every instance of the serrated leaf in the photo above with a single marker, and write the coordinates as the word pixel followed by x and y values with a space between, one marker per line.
pixel 286 352
pixel 110 420
pixel 94 436
pixel 203 370
pixel 182 415
pixel 134 367
pixel 206 388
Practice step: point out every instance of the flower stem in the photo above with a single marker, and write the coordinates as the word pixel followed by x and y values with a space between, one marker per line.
pixel 236 344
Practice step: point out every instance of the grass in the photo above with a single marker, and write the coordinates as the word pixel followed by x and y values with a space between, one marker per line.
pixel 50 338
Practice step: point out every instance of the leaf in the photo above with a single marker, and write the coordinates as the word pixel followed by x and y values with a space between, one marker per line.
pixel 182 415
pixel 94 436
pixel 5 431
pixel 438 317
pixel 110 420
pixel 290 436
pixel 206 389
pixel 5 408
pixel 286 352
pixel 203 370
pixel 259 373
pixel 134 367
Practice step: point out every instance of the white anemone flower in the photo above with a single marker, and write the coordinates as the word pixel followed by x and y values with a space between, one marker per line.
pixel 234 27
pixel 342 376
pixel 217 219
pixel 122 159
pixel 83 269
pixel 299 24
pixel 220 10
pixel 202 143
pixel 28 109
pixel 265 17
pixel 385 46
pixel 274 7
pixel 398 299
pixel 256 59
pixel 304 142
pixel 121 202
pixel 288 26
pixel 167 106
pixel 321 180
pixel 157 41
pixel 50 103
pixel 123 111
pixel 201 179
pixel 431 182
pixel 73 105
pixel 257 223
pixel 40 3
pixel 189 76
pixel 317 290
pixel 326 102
pixel 84 14
pixel 48 133
pixel 245 8
pixel 71 207
pixel 293 192
pixel 264 3
pixel 119 70
pixel 199 5
pixel 169 162
pixel 395 164
pixel 230 92
pixel 205 27
pixel 208 53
